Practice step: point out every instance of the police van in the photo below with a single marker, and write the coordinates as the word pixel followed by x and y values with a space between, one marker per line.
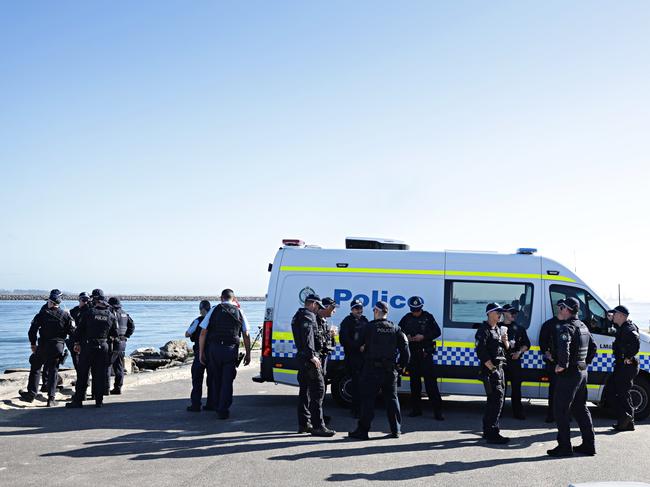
pixel 455 287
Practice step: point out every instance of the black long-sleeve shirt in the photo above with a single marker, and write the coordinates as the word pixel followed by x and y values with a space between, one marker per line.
pixel 627 341
pixel 488 344
pixel 351 333
pixel 50 324
pixel 304 328
pixel 424 325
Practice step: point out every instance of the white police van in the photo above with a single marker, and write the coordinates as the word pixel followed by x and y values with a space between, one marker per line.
pixel 455 287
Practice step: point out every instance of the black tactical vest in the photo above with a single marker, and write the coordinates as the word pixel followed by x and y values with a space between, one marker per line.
pixel 52 324
pixel 122 321
pixel 225 324
pixel 579 343
pixel 382 342
pixel 197 332
pixel 98 324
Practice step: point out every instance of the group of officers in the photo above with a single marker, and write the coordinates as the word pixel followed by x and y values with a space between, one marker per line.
pixel 95 333
pixel 378 352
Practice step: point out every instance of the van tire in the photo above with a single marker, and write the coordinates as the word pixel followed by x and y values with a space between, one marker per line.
pixel 341 390
pixel 641 395
pixel 640 398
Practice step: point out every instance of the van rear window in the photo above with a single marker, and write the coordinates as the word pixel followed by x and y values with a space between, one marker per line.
pixel 465 301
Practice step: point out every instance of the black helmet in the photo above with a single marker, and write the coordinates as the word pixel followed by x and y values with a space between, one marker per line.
pixel 98 295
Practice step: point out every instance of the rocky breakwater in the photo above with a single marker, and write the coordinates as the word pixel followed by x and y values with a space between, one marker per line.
pixel 171 354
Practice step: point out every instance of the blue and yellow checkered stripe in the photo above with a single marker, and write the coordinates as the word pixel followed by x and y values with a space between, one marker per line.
pixel 462 354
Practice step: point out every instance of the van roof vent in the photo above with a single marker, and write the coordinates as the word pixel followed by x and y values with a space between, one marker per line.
pixel 374 243
pixel 526 251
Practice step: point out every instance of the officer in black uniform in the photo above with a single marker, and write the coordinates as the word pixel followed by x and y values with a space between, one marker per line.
pixel 519 344
pixel 311 378
pixel 547 335
pixel 383 341
pixel 350 336
pixel 326 333
pixel 125 328
pixel 421 330
pixel 198 369
pixel 84 302
pixel 52 325
pixel 491 345
pixel 221 329
pixel 97 325
pixel 626 366
pixel 575 351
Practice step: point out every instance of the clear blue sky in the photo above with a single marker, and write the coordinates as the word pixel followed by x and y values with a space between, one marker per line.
pixel 168 147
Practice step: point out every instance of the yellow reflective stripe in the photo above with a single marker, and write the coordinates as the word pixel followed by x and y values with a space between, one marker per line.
pixel 605 351
pixel 282 335
pixel 460 381
pixel 363 270
pixel 459 344
pixel 547 277
pixel 534 348
pixel 643 353
pixel 285 371
pixel 424 272
pixel 593 386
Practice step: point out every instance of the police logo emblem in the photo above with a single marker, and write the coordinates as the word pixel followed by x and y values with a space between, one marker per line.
pixel 304 292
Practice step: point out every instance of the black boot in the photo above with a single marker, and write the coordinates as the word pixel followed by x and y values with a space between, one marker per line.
pixel 26 396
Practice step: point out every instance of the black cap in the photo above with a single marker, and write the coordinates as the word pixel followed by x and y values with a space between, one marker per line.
pixel 572 303
pixel 415 303
pixel 356 303
pixel 493 307
pixel 205 304
pixel 113 301
pixel 382 306
pixel 315 298
pixel 98 294
pixel 508 308
pixel 329 302
pixel 620 309
pixel 55 296
pixel 84 296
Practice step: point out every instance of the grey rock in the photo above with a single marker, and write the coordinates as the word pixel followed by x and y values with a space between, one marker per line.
pixel 175 350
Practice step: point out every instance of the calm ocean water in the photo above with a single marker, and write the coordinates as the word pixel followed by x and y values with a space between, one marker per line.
pixel 156 322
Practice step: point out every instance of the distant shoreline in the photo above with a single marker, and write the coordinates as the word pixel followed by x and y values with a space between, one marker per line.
pixel 125 297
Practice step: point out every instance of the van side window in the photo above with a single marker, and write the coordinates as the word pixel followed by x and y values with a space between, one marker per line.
pixel 591 311
pixel 465 301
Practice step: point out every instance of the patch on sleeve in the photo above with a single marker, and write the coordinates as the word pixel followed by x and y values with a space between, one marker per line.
pixel 565 337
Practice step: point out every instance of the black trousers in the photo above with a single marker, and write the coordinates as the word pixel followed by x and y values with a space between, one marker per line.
pixel 310 395
pixel 222 367
pixel 353 367
pixel 93 357
pixel 372 379
pixel 48 354
pixel 623 379
pixel 571 400
pixel 116 365
pixel 549 369
pixel 513 374
pixel 493 382
pixel 421 366
pixel 198 372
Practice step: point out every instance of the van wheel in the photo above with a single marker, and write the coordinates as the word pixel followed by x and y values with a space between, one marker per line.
pixel 641 398
pixel 341 390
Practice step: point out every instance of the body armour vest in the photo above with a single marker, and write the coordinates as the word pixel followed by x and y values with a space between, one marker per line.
pixel 382 341
pixel 225 324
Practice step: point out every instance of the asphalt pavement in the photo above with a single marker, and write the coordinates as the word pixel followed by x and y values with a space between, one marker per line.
pixel 145 436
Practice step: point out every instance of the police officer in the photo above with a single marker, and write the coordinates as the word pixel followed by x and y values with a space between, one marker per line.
pixel 220 330
pixel 84 302
pixel 421 330
pixel 519 344
pixel 626 366
pixel 52 325
pixel 575 350
pixel 326 334
pixel 491 344
pixel 383 341
pixel 125 328
pixel 97 325
pixel 350 336
pixel 547 335
pixel 311 378
pixel 198 369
